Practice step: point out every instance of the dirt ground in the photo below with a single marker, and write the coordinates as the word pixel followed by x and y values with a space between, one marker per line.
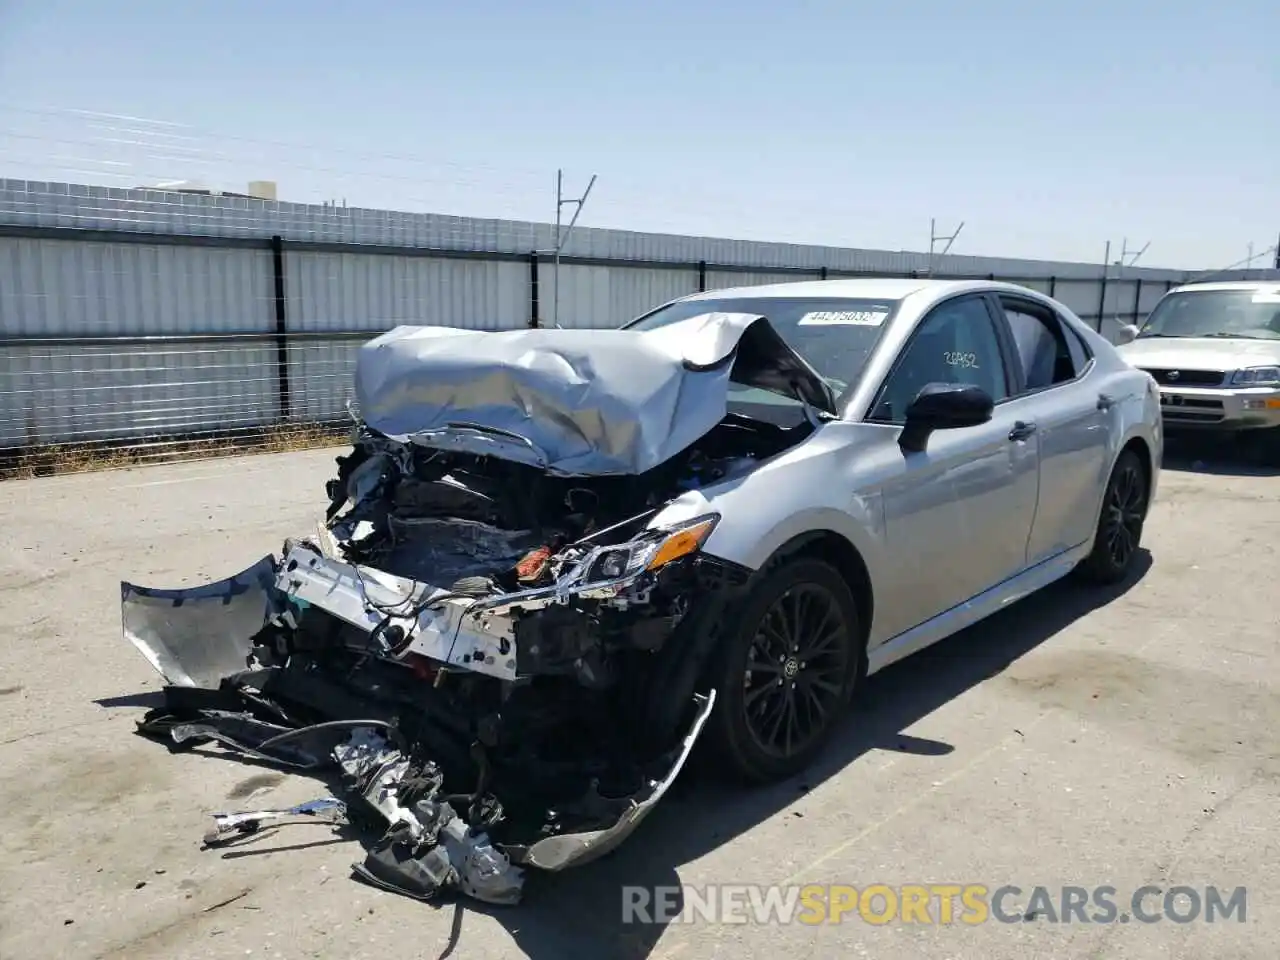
pixel 1123 739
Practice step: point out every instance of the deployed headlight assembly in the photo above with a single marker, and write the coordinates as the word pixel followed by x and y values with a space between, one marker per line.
pixel 1256 377
pixel 650 551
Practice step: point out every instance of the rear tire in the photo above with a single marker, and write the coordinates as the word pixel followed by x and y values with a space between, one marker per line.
pixel 1120 523
pixel 785 672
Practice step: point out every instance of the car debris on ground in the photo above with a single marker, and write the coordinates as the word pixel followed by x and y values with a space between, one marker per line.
pixel 492 642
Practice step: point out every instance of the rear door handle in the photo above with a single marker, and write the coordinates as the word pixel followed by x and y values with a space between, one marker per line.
pixel 1105 402
pixel 1022 430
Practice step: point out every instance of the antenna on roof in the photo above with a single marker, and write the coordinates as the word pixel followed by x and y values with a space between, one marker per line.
pixel 934 237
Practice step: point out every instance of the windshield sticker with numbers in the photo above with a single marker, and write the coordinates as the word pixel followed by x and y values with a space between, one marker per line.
pixel 844 318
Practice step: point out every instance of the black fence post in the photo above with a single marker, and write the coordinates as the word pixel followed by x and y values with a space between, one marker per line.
pixel 822 274
pixel 1137 300
pixel 533 289
pixel 702 276
pixel 1102 301
pixel 1053 286
pixel 282 327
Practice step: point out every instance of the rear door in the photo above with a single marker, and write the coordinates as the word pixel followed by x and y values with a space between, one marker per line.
pixel 1054 392
pixel 959 512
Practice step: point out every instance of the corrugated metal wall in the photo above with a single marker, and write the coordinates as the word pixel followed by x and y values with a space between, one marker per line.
pixel 351 291
pixel 53 288
pixel 146 264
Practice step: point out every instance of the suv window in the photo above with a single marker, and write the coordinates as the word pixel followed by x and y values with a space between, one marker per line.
pixel 1042 345
pixel 956 343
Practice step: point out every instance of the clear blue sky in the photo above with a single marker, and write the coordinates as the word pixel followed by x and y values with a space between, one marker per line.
pixel 1047 128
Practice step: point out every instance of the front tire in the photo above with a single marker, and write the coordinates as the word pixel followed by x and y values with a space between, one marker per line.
pixel 1120 522
pixel 785 671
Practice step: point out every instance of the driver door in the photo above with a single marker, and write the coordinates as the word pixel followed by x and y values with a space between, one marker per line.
pixel 958 513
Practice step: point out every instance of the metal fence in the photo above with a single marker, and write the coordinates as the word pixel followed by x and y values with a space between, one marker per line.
pixel 97 361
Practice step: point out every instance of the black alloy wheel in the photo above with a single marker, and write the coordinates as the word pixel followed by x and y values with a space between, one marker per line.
pixel 785 671
pixel 1124 511
pixel 796 665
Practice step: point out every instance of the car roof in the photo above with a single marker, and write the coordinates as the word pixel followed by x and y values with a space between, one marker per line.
pixel 1229 285
pixel 861 288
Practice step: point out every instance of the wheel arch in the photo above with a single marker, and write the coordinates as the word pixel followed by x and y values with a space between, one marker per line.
pixel 1139 445
pixel 839 552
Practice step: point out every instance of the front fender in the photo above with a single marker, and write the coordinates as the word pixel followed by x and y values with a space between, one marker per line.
pixel 764 510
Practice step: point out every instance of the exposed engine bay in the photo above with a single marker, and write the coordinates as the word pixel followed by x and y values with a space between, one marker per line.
pixel 501 664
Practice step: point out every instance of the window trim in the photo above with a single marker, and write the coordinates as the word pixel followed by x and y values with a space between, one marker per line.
pixel 1033 307
pixel 998 327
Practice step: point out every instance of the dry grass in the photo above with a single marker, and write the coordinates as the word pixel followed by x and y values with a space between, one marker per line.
pixel 54 459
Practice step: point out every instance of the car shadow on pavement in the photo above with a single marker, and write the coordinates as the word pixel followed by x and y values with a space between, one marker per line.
pixel 1221 456
pixel 579 913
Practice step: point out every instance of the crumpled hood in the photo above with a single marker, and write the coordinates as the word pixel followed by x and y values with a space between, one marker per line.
pixel 1192 353
pixel 574 402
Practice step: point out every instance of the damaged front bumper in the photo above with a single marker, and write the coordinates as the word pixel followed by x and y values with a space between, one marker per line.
pixel 230 682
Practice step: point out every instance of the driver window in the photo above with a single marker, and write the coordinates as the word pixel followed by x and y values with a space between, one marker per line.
pixel 956 343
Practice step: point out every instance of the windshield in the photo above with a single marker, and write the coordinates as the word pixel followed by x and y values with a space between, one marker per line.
pixel 835 336
pixel 1251 314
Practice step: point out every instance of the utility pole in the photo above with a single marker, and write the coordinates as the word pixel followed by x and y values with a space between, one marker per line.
pixel 561 238
pixel 934 237
pixel 1127 259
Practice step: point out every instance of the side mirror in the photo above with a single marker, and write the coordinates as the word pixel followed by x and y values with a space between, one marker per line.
pixel 943 406
pixel 1126 334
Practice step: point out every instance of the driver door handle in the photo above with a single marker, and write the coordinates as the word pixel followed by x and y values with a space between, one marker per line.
pixel 1022 430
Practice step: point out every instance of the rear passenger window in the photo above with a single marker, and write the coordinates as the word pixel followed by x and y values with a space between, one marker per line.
pixel 1080 352
pixel 1042 345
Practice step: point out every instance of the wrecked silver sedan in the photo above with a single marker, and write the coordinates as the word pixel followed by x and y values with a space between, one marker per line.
pixel 555 559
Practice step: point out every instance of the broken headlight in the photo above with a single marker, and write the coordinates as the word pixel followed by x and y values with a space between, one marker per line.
pixel 650 551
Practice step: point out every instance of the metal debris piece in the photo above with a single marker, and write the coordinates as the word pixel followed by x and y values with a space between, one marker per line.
pixel 329 809
pixel 427 848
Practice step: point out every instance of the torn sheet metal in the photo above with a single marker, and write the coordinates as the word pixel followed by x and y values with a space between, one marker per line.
pixel 196 636
pixel 573 402
pixel 575 849
pixel 428 847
